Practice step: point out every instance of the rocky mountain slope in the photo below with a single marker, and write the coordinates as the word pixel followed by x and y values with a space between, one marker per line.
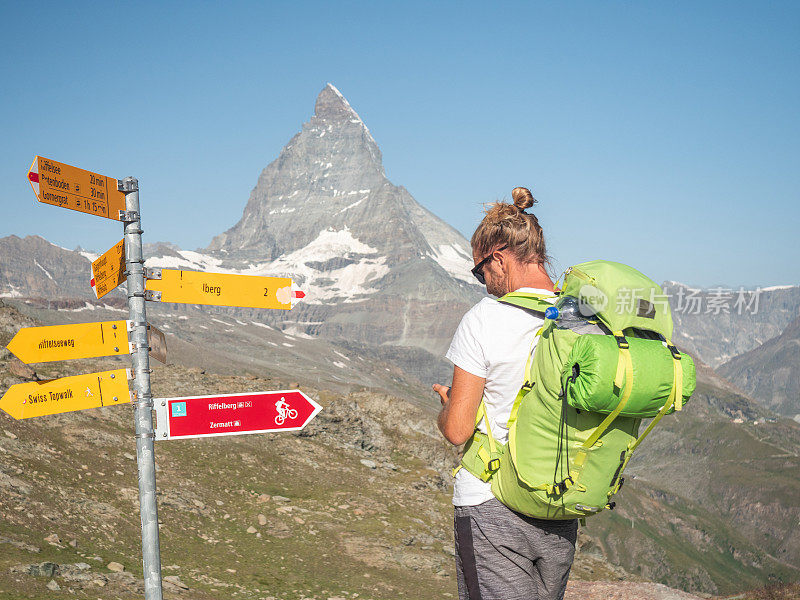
pixel 32 267
pixel 36 269
pixel 354 506
pixel 712 503
pixel 718 323
pixel 691 514
pixel 771 372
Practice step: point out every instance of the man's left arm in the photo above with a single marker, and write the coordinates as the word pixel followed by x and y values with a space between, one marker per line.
pixel 459 405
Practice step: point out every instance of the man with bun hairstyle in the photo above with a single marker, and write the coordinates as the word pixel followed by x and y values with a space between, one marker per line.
pixel 500 554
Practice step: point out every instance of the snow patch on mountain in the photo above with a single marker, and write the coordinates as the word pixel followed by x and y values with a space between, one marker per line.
pixel 121 310
pixel 46 272
pixel 12 293
pixel 86 306
pixel 189 260
pixel 771 288
pixel 306 267
pixel 454 259
pixel 90 256
pixel 294 331
pixel 327 245
pixel 348 283
pixel 353 205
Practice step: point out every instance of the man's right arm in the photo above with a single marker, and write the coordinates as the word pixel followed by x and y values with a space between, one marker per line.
pixel 460 405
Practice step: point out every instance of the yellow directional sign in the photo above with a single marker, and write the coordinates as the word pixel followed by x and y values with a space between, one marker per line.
pixel 66 186
pixel 68 342
pixel 219 289
pixel 39 398
pixel 108 271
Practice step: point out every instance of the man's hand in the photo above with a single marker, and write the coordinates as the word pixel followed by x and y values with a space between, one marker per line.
pixel 443 391
pixel 459 405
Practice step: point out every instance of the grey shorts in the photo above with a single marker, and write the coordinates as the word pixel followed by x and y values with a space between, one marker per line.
pixel 503 555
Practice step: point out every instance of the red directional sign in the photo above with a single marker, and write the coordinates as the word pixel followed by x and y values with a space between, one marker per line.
pixel 233 414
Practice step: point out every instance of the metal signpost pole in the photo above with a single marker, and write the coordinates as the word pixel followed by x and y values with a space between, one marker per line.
pixel 145 458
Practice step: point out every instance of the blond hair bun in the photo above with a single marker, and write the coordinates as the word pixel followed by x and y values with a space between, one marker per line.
pixel 522 198
pixel 509 225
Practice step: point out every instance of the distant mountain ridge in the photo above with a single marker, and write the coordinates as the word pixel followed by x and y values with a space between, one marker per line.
pixel 719 323
pixel 771 372
pixel 377 268
pixel 34 267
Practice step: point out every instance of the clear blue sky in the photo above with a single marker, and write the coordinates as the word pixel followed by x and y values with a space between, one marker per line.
pixel 661 134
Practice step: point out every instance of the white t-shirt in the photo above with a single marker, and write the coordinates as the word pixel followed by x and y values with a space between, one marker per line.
pixel 493 341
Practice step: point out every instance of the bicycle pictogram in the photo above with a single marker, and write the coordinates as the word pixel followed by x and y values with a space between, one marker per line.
pixel 284 411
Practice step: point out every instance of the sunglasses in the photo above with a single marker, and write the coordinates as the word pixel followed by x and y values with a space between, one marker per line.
pixel 477 270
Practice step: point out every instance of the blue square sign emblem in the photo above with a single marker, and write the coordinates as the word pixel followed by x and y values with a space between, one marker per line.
pixel 178 409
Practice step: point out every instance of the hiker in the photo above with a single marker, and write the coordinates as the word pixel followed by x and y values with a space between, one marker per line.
pixel 500 554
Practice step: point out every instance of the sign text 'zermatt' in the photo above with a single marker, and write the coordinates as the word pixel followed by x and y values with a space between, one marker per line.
pixel 233 414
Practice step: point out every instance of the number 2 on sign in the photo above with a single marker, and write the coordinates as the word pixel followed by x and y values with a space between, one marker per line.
pixel 266 291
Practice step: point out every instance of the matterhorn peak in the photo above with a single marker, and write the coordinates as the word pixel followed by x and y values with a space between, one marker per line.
pixel 325 213
pixel 331 104
pixel 332 108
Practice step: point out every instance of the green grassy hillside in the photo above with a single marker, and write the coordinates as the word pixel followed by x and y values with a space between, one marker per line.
pixel 711 504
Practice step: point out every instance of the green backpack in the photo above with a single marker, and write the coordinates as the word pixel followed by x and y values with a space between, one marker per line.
pixel 575 422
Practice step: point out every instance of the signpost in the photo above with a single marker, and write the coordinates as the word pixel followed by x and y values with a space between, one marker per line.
pixel 233 414
pixel 68 394
pixel 219 289
pixel 143 407
pixel 69 187
pixel 69 342
pixel 66 186
pixel 108 271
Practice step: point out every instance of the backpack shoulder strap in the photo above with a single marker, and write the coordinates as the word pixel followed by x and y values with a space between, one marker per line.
pixel 529 301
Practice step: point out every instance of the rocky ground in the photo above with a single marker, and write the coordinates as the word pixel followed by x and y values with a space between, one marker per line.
pixel 355 506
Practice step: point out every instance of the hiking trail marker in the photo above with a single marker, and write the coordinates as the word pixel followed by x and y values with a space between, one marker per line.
pixel 233 414
pixel 108 271
pixel 66 186
pixel 70 342
pixel 69 187
pixel 39 398
pixel 219 289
